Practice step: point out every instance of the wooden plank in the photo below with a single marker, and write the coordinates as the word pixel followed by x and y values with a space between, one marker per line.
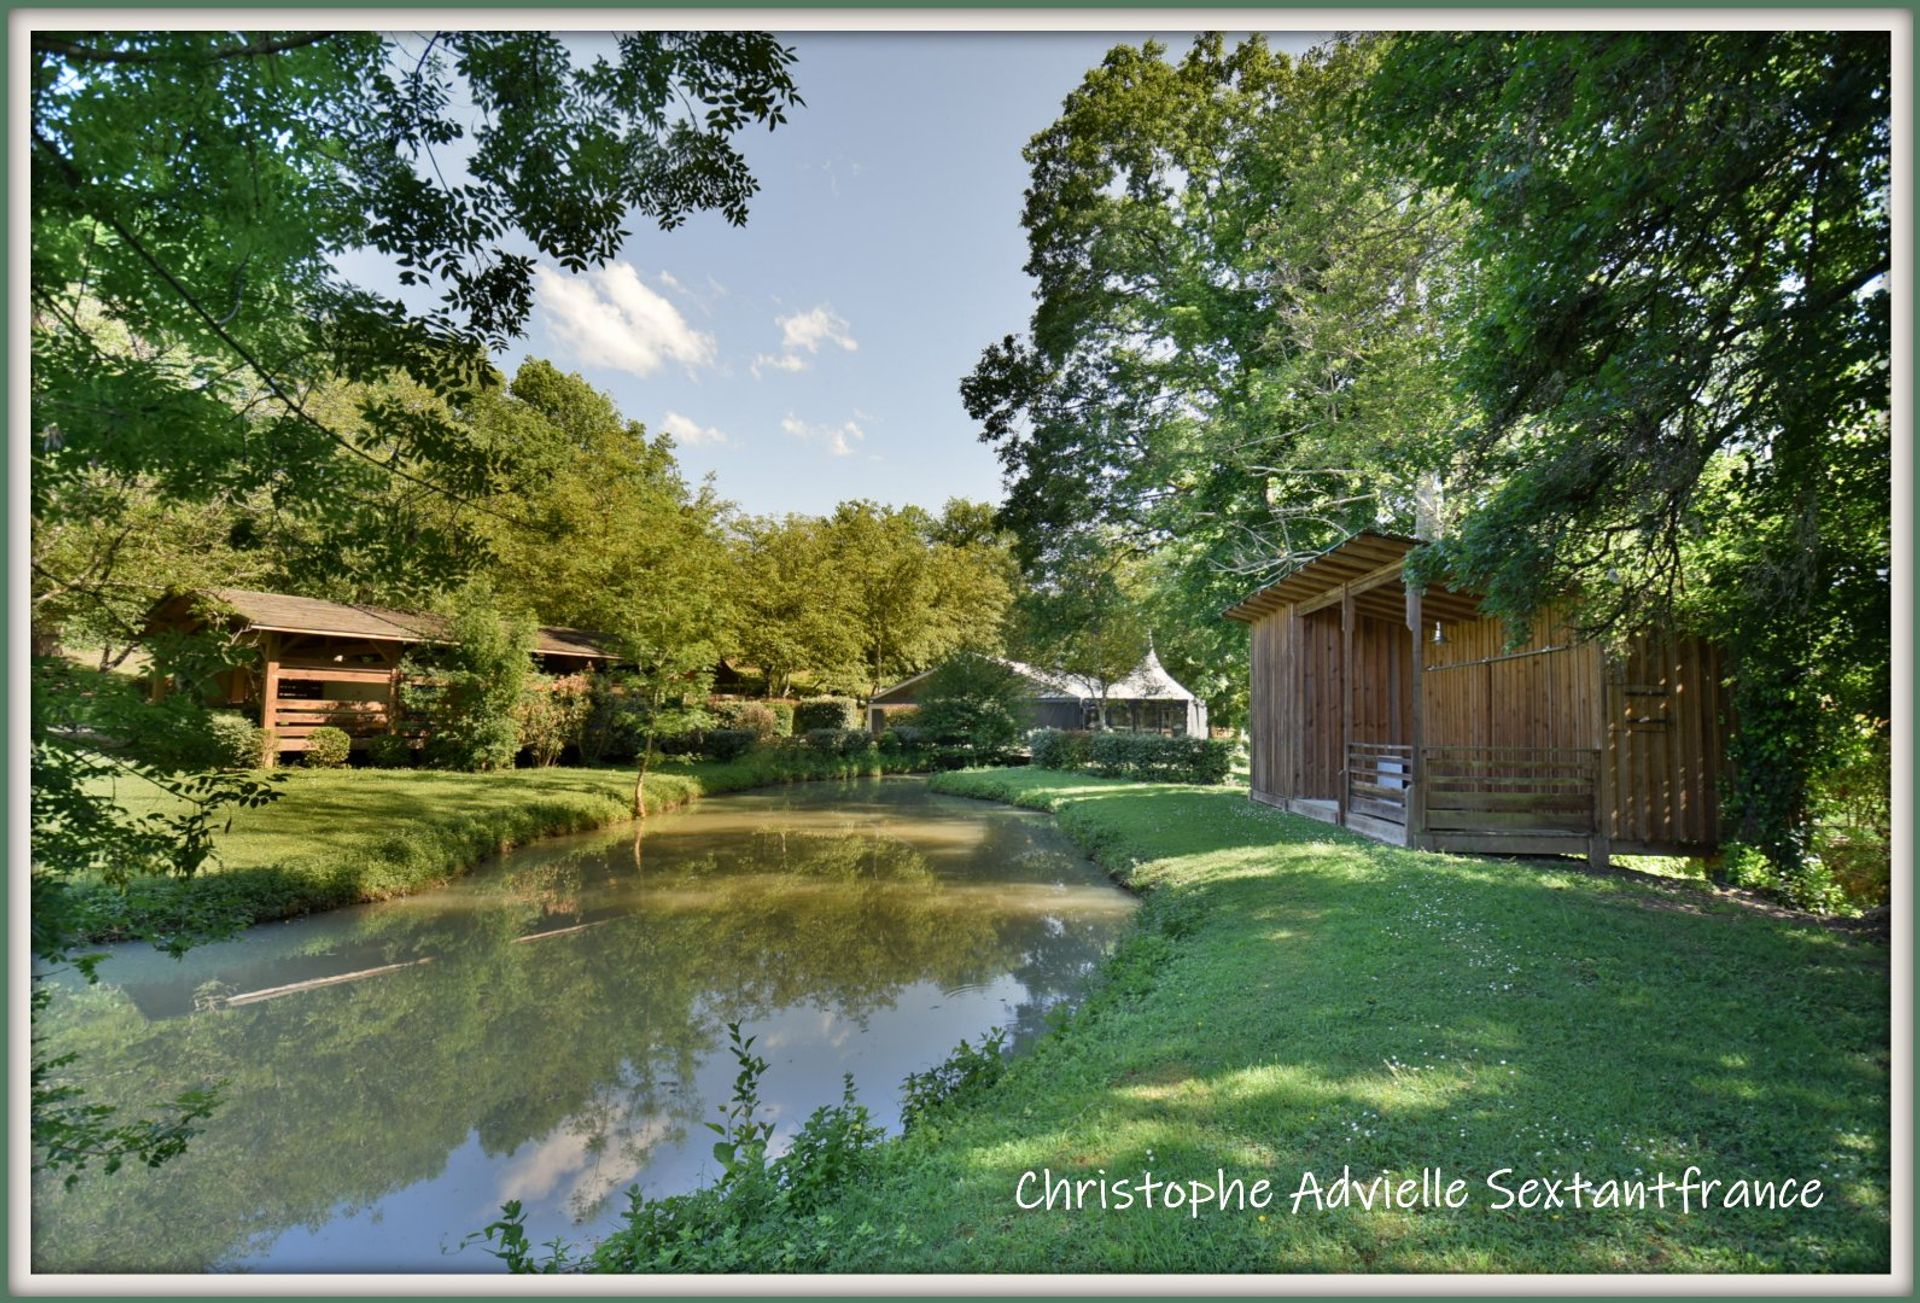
pixel 1417 797
pixel 1391 812
pixel 1348 675
pixel 1546 802
pixel 1600 849
pixel 1381 830
pixel 1518 844
pixel 1497 821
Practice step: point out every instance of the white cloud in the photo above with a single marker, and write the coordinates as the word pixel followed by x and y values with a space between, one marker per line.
pixel 836 439
pixel 809 330
pixel 610 318
pixel 802 333
pixel 685 430
pixel 783 362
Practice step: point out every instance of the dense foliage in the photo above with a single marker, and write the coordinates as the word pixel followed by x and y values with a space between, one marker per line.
pixel 214 402
pixel 1602 314
pixel 1680 359
pixel 974 701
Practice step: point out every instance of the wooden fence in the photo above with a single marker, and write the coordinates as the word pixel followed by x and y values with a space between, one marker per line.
pixel 1511 800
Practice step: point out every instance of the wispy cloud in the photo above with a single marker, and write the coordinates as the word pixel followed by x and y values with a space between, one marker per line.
pixel 685 429
pixel 801 336
pixel 610 317
pixel 836 439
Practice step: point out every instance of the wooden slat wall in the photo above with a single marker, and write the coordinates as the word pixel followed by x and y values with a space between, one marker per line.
pixel 1666 739
pixel 1320 729
pixel 1383 681
pixel 1274 708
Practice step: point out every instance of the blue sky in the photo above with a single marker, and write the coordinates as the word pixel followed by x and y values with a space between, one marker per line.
pixel 815 354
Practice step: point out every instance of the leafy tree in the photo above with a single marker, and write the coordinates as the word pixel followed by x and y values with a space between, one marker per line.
pixel 468 688
pixel 191 193
pixel 1086 619
pixel 915 598
pixel 975 701
pixel 796 607
pixel 1681 354
pixel 1237 354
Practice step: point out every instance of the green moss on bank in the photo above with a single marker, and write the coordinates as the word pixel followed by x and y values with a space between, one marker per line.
pixel 344 836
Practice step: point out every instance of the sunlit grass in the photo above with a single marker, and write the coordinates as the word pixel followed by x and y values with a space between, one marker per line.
pixel 1299 998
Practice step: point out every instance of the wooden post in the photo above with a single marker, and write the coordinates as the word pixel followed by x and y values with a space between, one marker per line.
pixel 270 693
pixel 1600 845
pixel 1417 784
pixel 1299 730
pixel 1345 789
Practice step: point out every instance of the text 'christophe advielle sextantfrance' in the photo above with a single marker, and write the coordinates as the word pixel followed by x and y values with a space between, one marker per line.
pixel 1691 1192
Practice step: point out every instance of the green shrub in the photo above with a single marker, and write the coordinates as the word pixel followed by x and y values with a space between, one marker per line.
pixel 234 741
pixel 839 741
pixel 826 712
pixel 727 743
pixel 468 689
pixel 1152 757
pixel 328 748
pixel 549 714
pixel 389 751
pixel 975 702
pixel 965 1074
pixel 753 716
pixel 782 718
pixel 1057 748
pixel 903 737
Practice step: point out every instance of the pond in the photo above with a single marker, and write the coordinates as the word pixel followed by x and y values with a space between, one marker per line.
pixel 552 1028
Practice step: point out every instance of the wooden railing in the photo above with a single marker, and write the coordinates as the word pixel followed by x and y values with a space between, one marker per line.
pixel 1379 779
pixel 1512 800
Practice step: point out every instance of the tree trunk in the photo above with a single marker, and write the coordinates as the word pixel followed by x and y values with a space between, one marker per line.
pixel 640 780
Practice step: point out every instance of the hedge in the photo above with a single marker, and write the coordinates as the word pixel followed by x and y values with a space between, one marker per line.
pixel 826 712
pixel 1133 755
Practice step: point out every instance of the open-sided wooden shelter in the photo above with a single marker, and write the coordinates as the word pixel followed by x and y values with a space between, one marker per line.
pixel 1404 715
pixel 332 664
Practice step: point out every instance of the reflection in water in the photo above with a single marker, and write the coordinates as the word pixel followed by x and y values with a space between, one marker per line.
pixel 552 1029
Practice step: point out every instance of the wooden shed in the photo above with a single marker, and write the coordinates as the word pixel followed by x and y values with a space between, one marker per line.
pixel 332 664
pixel 1404 715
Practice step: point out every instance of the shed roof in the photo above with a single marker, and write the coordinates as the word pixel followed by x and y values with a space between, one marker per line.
pixel 1354 558
pixel 286 613
pixel 1148 682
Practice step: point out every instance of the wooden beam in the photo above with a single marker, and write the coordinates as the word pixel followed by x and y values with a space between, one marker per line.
pixel 1417 794
pixel 1347 621
pixel 1600 846
pixel 269 690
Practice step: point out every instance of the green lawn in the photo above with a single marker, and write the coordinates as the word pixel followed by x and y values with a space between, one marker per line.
pixel 340 836
pixel 1298 998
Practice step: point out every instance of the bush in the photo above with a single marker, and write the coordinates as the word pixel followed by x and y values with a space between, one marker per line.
pixel 727 743
pixel 904 737
pixel 549 715
pixel 782 718
pixel 975 702
pixel 468 688
pixel 826 712
pixel 234 741
pixel 964 1075
pixel 839 741
pixel 389 751
pixel 752 716
pixel 328 748
pixel 1057 748
pixel 1163 759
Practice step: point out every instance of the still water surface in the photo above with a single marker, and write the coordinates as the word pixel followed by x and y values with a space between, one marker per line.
pixel 552 1028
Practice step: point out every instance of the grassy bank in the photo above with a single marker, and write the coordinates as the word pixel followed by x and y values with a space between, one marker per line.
pixel 343 836
pixel 1296 998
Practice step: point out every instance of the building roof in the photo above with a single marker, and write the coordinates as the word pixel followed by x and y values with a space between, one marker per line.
pixel 285 613
pixel 1148 682
pixel 1353 558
